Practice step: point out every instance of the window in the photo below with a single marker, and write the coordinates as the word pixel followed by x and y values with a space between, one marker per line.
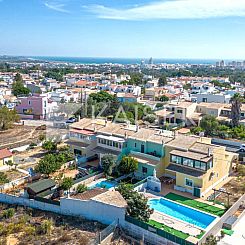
pixel 209 165
pixel 189 182
pixel 200 165
pixel 144 170
pixel 188 162
pixel 135 145
pixel 179 111
pixel 176 159
pixel 29 102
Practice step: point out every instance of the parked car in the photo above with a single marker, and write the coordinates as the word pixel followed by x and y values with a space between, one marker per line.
pixel 71 120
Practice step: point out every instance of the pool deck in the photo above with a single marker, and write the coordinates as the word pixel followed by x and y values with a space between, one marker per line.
pixel 170 188
pixel 176 224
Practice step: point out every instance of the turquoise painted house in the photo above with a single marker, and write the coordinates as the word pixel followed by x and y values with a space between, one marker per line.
pixel 148 149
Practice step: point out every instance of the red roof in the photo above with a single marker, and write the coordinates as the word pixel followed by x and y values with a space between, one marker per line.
pixel 4 153
pixel 82 131
pixel 81 83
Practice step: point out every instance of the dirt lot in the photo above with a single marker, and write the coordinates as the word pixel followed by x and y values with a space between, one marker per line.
pixel 13 174
pixel 26 227
pixel 18 136
pixel 236 186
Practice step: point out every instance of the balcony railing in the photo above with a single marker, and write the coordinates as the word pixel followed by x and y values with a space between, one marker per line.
pixel 147 155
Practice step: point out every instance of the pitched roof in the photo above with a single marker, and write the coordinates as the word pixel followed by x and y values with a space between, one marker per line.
pixel 4 153
pixel 113 198
pixel 41 185
pixel 89 194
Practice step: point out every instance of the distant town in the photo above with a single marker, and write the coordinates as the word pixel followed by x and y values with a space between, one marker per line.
pixel 110 153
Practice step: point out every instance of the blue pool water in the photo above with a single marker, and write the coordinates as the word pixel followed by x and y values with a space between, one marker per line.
pixel 104 184
pixel 181 212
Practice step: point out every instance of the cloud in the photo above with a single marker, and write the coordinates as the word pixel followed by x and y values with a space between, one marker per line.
pixel 173 9
pixel 57 6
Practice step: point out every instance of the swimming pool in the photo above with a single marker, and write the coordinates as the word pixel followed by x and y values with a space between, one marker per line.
pixel 104 184
pixel 181 212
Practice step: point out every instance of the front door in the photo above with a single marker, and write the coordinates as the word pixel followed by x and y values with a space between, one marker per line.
pixel 142 148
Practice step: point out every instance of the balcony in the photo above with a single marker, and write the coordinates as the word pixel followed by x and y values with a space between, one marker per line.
pixel 146 155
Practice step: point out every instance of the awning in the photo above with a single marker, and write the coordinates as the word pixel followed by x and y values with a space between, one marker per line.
pixel 183 170
pixel 77 144
pixel 101 150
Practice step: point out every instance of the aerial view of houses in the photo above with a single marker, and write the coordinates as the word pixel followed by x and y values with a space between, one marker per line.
pixel 137 158
pixel 122 122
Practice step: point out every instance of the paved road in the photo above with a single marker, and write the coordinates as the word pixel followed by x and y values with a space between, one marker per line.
pixel 37 123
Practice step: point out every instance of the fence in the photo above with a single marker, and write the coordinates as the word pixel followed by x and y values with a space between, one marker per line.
pixel 13 183
pixel 218 226
pixel 157 231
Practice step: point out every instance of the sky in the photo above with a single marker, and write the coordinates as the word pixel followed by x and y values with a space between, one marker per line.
pixel 198 29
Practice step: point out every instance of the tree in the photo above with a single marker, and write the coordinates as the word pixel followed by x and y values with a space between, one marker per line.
pixel 236 104
pixel 18 88
pixel 48 165
pixel 151 118
pixel 7 118
pixel 49 145
pixel 137 203
pixel 67 183
pixel 209 124
pixel 108 163
pixel 128 165
pixel 164 98
pixel 10 163
pixel 162 81
pixel 18 78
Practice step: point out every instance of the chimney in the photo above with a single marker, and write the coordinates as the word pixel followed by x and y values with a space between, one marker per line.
pixel 209 152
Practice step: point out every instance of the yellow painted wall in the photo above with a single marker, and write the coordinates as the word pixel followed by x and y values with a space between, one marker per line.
pixel 2 161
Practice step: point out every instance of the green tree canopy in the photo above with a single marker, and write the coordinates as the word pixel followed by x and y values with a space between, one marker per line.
pixel 67 183
pixel 236 104
pixel 18 88
pixel 48 164
pixel 7 118
pixel 209 124
pixel 49 145
pixel 162 81
pixel 108 163
pixel 137 203
pixel 127 165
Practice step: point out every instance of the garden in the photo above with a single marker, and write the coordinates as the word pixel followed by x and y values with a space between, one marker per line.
pixel 196 204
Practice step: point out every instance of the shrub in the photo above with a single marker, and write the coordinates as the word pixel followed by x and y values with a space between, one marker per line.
pixel 3 178
pixel 81 188
pixel 9 213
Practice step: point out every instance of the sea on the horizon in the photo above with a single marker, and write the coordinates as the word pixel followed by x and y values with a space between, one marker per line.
pixel 124 61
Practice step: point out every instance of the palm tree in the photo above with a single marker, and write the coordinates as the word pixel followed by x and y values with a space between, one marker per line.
pixel 236 104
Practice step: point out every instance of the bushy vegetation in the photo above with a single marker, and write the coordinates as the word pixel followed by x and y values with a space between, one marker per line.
pixel 50 163
pixel 66 183
pixel 106 105
pixel 49 145
pixel 7 118
pixel 81 188
pixel 137 203
pixel 212 127
pixel 108 163
pixel 127 165
pixel 3 178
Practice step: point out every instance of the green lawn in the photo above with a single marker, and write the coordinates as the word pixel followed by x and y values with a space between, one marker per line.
pixel 195 204
pixel 170 230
